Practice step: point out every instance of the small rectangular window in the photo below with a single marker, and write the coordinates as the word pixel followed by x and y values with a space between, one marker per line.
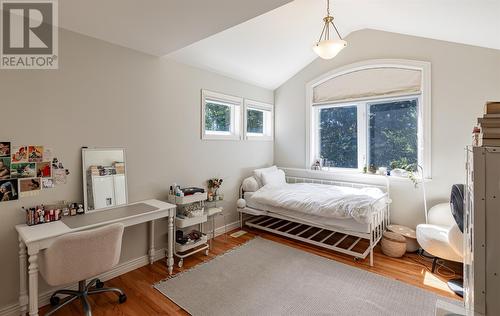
pixel 338 136
pixel 217 118
pixel 255 122
pixel 258 120
pixel 221 116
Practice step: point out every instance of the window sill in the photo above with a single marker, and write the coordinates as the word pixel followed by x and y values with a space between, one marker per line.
pixel 260 138
pixel 350 173
pixel 219 137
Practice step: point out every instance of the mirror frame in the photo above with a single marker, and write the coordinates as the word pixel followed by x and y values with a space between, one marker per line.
pixel 84 176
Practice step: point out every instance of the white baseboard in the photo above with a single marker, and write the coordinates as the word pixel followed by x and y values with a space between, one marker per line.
pixel 227 228
pixel 44 298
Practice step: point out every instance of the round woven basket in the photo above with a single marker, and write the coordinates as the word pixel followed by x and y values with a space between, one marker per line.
pixel 393 244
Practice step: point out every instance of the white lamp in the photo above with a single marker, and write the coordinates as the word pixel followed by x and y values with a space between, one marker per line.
pixel 327 48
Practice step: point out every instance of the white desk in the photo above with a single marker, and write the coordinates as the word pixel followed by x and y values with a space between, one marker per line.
pixel 32 239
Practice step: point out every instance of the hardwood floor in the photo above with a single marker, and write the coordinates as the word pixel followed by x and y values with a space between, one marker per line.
pixel 143 299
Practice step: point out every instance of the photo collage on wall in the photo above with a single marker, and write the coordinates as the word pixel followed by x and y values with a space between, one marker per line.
pixel 27 169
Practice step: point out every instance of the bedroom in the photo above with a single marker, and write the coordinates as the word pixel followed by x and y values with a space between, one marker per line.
pixel 136 81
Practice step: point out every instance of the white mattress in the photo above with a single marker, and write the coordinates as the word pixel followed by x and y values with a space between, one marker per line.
pixel 349 224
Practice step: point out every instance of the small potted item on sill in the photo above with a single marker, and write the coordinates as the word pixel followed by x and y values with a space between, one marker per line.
pixel 372 169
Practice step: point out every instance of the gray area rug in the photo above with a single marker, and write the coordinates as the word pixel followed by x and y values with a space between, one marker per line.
pixel 268 278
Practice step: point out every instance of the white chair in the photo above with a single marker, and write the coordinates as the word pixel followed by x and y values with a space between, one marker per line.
pixel 442 235
pixel 442 240
pixel 77 257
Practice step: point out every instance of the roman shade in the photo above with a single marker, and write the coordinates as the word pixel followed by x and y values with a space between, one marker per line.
pixel 368 83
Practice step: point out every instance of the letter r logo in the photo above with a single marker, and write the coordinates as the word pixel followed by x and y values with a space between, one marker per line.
pixel 27 28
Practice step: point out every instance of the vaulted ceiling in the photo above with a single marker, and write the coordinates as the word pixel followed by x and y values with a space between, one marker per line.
pixel 157 27
pixel 265 42
pixel 271 48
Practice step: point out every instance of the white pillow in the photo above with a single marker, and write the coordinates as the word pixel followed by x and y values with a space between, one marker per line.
pixel 257 173
pixel 276 178
pixel 250 185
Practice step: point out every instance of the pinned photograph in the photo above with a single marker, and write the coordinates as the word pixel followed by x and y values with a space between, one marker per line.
pixel 29 187
pixel 4 168
pixel 43 170
pixel 8 190
pixel 23 170
pixel 59 176
pixel 48 183
pixel 35 153
pixel 19 154
pixel 48 154
pixel 4 149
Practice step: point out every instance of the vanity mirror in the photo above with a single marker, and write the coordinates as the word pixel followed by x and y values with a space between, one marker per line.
pixel 104 178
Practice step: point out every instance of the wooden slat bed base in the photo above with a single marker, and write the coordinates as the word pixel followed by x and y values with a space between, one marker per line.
pixel 336 241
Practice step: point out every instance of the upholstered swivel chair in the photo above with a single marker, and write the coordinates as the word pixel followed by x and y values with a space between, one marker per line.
pixel 442 235
pixel 77 257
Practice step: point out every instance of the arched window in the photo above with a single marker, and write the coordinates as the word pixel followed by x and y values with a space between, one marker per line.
pixel 372 113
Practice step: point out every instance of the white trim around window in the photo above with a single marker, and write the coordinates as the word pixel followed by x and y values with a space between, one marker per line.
pixel 424 99
pixel 267 110
pixel 234 106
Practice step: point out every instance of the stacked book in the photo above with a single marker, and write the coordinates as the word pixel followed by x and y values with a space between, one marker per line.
pixel 119 167
pixel 489 125
pixel 94 170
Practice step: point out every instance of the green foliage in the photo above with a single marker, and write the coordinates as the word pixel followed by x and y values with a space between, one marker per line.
pixel 217 117
pixel 255 121
pixel 411 168
pixel 339 136
pixel 393 134
pixel 402 163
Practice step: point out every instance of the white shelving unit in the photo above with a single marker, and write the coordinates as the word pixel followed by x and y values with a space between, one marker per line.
pixel 185 250
pixel 184 200
pixel 481 233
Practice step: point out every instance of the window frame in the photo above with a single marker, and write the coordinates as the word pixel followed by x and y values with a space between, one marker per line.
pixel 235 104
pixel 268 134
pixel 424 108
pixel 363 127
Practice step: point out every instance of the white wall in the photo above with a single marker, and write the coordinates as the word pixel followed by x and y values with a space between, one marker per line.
pixel 106 95
pixel 463 78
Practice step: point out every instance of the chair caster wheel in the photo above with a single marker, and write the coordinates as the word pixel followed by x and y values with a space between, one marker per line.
pixel 99 284
pixel 356 259
pixel 181 262
pixel 206 252
pixel 54 300
pixel 122 298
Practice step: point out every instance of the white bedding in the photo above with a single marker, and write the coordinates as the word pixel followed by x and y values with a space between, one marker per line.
pixel 321 200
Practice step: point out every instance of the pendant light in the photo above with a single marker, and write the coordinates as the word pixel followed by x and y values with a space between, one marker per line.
pixel 327 48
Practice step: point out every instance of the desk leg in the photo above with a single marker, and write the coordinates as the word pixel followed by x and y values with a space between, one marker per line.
pixel 33 280
pixel 23 278
pixel 151 251
pixel 170 246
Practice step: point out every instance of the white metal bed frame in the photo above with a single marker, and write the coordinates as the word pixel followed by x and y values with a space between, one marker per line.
pixel 298 230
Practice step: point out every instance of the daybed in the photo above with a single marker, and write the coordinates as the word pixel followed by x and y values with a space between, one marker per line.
pixel 344 216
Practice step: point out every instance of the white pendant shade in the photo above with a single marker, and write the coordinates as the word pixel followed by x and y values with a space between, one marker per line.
pixel 327 49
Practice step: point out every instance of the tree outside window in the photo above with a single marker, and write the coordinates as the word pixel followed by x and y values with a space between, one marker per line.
pixel 217 117
pixel 339 136
pixel 393 130
pixel 387 136
pixel 255 121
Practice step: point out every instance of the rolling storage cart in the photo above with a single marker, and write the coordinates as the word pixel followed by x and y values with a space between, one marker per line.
pixel 182 251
